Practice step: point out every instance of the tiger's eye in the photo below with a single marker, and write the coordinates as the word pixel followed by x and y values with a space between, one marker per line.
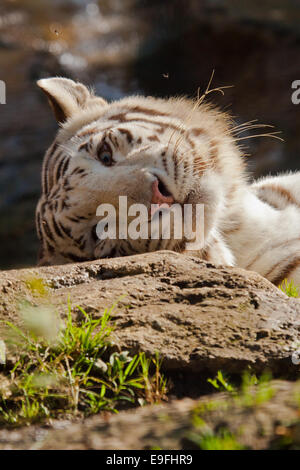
pixel 104 154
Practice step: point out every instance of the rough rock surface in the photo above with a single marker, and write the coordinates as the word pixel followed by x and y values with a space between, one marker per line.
pixel 256 420
pixel 198 317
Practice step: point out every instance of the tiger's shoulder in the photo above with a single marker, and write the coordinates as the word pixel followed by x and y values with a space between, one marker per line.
pixel 279 191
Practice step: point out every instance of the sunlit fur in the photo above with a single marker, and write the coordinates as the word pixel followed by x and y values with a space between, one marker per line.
pixel 192 148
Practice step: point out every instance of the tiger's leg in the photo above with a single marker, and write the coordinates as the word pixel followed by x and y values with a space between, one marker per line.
pixel 216 252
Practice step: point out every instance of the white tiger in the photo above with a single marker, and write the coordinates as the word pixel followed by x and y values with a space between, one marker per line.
pixel 160 151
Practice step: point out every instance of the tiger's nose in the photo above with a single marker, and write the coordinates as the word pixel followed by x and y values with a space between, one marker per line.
pixel 161 194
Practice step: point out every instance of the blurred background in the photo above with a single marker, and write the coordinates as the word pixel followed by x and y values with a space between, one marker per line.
pixel 157 47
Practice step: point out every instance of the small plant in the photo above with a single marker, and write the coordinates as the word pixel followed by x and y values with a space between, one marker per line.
pixel 255 391
pixel 289 288
pixel 222 440
pixel 75 370
pixel 221 383
pixel 252 393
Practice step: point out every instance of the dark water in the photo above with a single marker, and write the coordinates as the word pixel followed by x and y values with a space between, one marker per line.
pixel 134 46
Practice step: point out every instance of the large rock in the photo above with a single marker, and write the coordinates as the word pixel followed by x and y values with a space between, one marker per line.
pixel 257 424
pixel 263 419
pixel 198 317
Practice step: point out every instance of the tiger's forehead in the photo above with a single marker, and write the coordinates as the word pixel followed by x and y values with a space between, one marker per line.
pixel 147 116
pixel 140 121
pixel 132 123
pixel 131 133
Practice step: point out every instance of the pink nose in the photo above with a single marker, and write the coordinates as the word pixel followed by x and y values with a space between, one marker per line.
pixel 160 194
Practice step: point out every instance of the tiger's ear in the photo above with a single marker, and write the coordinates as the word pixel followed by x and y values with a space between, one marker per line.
pixel 67 97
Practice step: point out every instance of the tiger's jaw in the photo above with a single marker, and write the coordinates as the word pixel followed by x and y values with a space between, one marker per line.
pixel 171 226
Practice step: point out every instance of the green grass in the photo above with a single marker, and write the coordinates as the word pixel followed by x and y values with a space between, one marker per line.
pixel 251 393
pixel 289 288
pixel 222 440
pixel 65 369
pixel 252 390
pixel 220 382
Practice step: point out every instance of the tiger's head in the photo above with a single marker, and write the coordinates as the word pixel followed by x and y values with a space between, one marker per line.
pixel 153 151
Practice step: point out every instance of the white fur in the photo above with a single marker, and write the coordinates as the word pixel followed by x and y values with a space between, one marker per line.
pixel 254 226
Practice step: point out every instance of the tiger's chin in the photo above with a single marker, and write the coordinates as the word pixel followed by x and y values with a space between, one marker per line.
pixel 119 248
pixel 215 251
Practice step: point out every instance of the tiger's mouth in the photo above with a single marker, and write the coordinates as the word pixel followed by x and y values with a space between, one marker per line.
pixel 163 189
pixel 161 194
pixel 160 198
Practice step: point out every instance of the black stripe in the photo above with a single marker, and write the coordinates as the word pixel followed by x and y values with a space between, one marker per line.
pixel 55 192
pixel 49 154
pixel 56 228
pixel 49 166
pixel 185 172
pixel 113 139
pixel 113 252
pixel 285 271
pixel 77 259
pixel 73 219
pixel 77 171
pixel 175 167
pixel 65 166
pixel 131 247
pixel 66 230
pixel 165 161
pixel 64 204
pixel 128 134
pixel 47 230
pixel 49 247
pixel 38 225
pixel 148 111
pixel 163 125
pixel 59 167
